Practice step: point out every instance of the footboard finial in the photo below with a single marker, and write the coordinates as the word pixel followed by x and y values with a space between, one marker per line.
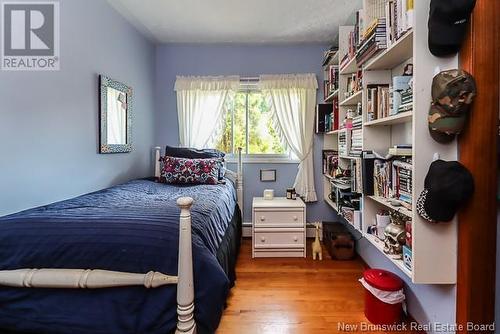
pixel 185 286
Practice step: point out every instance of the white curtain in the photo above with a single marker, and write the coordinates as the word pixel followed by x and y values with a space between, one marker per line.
pixel 200 107
pixel 293 98
pixel 117 117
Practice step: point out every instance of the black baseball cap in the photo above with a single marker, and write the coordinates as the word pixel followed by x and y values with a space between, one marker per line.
pixel 448 185
pixel 447 25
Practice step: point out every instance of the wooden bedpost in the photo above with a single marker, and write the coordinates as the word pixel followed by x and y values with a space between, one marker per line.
pixel 239 182
pixel 185 286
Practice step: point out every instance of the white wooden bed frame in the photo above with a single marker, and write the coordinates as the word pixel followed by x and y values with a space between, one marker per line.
pixel 97 279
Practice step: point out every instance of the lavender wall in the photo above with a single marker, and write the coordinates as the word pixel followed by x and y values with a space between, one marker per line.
pixel 49 120
pixel 172 60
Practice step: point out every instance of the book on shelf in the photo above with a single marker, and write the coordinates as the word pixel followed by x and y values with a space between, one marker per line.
pixel 367 172
pixel 330 162
pixel 399 17
pixel 382 178
pixel 402 94
pixel 331 116
pixel 378 102
pixel 356 175
pixel 375 40
pixel 322 110
pixel 343 143
pixel 354 83
pixel 356 142
pixel 392 179
pixel 402 171
pixel 358 26
pixel 399 150
pixel 344 61
pixel 331 80
pixel 328 55
pixel 357 122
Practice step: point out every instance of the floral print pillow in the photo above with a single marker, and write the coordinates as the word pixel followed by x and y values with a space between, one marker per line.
pixel 189 171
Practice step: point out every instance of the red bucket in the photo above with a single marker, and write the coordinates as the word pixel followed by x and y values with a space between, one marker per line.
pixel 377 311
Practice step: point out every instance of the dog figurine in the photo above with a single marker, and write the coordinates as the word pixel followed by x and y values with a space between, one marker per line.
pixel 316 245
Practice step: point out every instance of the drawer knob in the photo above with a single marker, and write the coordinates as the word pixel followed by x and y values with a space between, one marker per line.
pixel 295 218
pixel 262 218
pixel 263 239
pixel 295 239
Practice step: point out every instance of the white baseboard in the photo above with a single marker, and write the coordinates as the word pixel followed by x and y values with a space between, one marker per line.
pixel 247 230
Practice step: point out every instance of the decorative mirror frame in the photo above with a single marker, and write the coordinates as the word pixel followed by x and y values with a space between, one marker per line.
pixel 104 147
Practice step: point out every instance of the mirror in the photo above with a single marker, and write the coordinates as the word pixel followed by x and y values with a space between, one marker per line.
pixel 115 116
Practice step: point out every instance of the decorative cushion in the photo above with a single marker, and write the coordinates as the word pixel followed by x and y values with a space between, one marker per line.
pixel 193 153
pixel 189 171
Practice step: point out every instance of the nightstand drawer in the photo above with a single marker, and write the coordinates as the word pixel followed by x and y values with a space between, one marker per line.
pixel 278 217
pixel 279 240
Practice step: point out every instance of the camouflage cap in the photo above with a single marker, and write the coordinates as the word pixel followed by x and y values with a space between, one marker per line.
pixel 452 94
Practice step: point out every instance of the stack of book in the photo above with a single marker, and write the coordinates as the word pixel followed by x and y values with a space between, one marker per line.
pixel 404 150
pixel 328 55
pixel 330 162
pixel 406 101
pixel 400 84
pixel 402 180
pixel 351 51
pixel 343 143
pixel 375 40
pixel 357 122
pixel 356 142
pixel 399 15
pixel 378 102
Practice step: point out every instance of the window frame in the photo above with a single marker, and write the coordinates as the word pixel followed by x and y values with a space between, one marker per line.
pixel 248 87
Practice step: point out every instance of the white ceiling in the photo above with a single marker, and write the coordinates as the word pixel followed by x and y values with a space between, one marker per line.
pixel 238 21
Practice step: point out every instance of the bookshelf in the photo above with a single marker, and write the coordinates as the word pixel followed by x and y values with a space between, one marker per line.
pixel 403 117
pixel 434 246
pixel 352 100
pixel 333 95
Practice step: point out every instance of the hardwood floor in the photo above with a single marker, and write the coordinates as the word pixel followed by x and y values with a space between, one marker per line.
pixel 294 295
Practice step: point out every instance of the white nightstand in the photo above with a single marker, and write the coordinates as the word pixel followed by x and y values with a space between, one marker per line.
pixel 278 227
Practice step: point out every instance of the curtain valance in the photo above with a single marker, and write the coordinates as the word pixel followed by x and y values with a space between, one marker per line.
pixel 207 83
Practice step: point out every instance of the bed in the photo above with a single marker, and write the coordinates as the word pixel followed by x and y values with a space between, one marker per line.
pixel 108 262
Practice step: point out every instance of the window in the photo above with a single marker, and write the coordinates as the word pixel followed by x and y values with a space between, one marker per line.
pixel 249 125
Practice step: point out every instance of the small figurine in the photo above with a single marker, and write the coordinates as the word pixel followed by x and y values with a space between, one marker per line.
pixel 316 245
pixel 395 235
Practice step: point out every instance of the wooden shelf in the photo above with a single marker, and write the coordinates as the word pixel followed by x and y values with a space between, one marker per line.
pixel 393 56
pixel 353 100
pixel 396 119
pixel 386 203
pixel 350 68
pixel 330 97
pixel 334 132
pixel 348 157
pixel 379 244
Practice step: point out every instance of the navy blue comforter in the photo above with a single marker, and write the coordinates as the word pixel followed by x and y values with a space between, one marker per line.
pixel 133 227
